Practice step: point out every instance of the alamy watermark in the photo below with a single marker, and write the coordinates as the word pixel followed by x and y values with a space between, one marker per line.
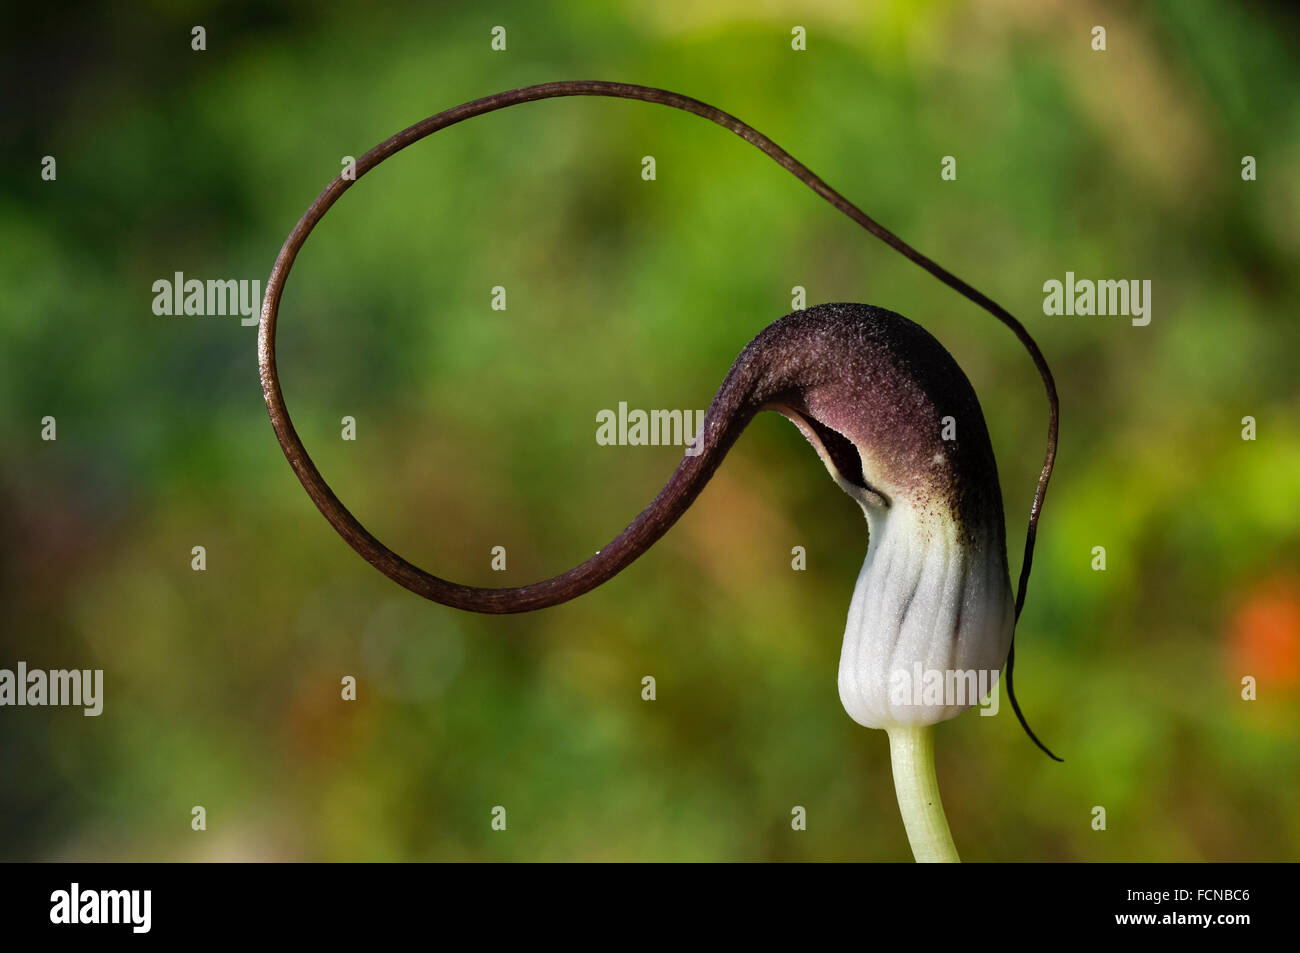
pixel 56 687
pixel 652 428
pixel 1083 296
pixel 932 687
pixel 133 908
pixel 216 296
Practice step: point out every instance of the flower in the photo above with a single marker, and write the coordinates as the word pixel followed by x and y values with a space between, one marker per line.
pixel 899 428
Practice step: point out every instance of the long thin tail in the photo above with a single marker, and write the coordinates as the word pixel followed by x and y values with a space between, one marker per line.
pixel 693 473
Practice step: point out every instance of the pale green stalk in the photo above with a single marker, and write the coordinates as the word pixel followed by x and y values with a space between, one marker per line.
pixel 911 751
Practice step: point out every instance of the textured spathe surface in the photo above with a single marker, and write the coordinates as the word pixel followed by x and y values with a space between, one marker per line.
pixel 899 427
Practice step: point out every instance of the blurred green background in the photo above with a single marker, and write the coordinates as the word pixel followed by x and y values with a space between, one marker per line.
pixel 475 428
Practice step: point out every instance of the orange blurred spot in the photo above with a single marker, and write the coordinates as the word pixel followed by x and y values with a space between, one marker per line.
pixel 1265 632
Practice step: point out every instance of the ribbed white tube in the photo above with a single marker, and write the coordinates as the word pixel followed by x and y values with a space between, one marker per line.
pixel 929 607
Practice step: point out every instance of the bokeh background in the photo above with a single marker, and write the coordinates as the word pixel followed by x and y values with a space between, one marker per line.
pixel 476 428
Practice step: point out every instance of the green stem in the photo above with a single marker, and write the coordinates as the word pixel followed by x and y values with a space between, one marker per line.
pixel 911 750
